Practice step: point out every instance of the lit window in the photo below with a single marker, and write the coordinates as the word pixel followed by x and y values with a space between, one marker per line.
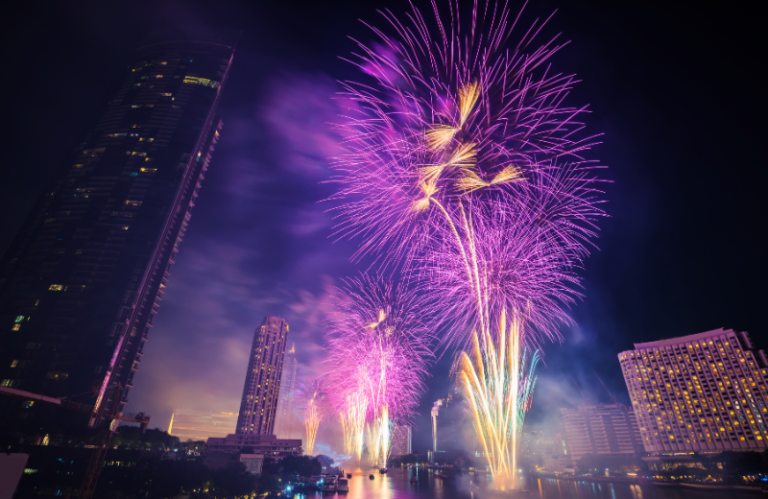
pixel 201 81
pixel 56 287
pixel 16 327
pixel 7 382
pixel 132 202
pixel 56 375
pixel 19 318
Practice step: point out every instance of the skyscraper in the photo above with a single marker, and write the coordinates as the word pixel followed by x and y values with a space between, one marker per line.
pixel 285 405
pixel 261 391
pixel 82 280
pixel 401 440
pixel 699 393
pixel 603 429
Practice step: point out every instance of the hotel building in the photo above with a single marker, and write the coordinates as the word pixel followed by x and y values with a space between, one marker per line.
pixel 258 407
pixel 700 393
pixel 401 440
pixel 603 429
pixel 261 391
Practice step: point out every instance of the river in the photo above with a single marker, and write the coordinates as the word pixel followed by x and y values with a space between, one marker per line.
pixel 396 485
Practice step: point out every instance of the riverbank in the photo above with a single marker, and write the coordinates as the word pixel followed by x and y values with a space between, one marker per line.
pixel 598 479
pixel 714 487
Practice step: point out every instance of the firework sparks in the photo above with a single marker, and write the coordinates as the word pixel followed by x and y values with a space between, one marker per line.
pixel 311 399
pixel 455 135
pixel 379 352
pixel 497 378
pixel 465 171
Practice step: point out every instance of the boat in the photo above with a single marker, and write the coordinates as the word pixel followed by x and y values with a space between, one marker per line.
pixel 342 486
pixel 383 470
pixel 316 481
pixel 371 476
pixel 349 475
pixel 329 486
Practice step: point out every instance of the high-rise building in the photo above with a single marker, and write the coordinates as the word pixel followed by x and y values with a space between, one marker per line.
pixel 603 429
pixel 699 393
pixel 445 424
pixel 287 386
pixel 83 278
pixel 401 440
pixel 261 391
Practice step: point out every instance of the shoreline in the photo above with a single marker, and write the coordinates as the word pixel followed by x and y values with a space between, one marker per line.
pixel 639 481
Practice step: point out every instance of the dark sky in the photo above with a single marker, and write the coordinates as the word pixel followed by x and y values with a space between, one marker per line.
pixel 677 89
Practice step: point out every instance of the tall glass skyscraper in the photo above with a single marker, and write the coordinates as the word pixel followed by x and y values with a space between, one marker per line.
pixel 84 277
pixel 261 391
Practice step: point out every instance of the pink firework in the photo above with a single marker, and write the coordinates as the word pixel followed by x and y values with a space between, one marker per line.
pixel 379 353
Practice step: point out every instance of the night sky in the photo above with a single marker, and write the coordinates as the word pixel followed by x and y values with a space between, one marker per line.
pixel 677 88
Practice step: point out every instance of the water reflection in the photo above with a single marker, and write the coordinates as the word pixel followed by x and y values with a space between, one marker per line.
pixel 396 485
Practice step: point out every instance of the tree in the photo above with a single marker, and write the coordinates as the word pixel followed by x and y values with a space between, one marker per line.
pixel 300 465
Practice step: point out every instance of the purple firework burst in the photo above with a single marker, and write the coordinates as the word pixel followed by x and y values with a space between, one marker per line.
pixel 464 166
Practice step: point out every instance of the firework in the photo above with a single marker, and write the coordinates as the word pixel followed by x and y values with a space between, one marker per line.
pixel 311 399
pixel 379 352
pixel 497 378
pixel 465 171
pixel 460 127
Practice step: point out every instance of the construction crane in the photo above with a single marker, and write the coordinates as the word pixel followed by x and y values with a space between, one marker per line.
pixel 579 389
pixel 111 414
pixel 606 389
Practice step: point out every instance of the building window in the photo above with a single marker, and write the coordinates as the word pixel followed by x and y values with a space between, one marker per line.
pixel 56 375
pixel 57 287
pixel 16 327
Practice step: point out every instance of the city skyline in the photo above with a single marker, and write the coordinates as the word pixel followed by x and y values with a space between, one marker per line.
pixel 228 279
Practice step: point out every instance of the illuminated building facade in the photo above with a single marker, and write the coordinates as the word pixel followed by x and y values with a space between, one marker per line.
pixel 287 386
pixel 83 278
pixel 261 391
pixel 603 429
pixel 699 393
pixel 401 440
pixel 265 445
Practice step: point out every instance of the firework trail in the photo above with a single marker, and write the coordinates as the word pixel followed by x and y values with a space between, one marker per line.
pixel 311 398
pixel 497 378
pixel 379 352
pixel 465 171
